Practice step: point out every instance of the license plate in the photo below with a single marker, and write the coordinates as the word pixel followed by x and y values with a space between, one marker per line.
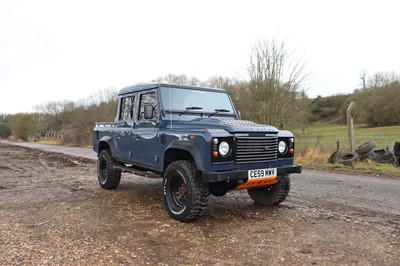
pixel 262 173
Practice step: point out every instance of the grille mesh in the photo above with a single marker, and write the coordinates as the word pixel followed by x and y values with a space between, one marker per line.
pixel 256 150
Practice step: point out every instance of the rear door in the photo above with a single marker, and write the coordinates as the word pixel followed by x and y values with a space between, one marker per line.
pixel 125 124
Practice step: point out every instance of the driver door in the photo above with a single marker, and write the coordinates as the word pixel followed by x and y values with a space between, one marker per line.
pixel 146 143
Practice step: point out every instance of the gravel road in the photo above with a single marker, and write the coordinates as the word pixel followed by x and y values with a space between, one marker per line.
pixel 74 151
pixel 53 212
pixel 320 188
pixel 311 188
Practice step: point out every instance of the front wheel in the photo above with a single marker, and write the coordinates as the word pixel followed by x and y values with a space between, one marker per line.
pixel 185 195
pixel 108 177
pixel 271 195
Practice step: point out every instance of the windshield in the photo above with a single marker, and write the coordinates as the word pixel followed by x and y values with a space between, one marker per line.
pixel 189 100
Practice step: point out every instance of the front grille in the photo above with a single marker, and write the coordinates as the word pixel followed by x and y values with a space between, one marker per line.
pixel 256 150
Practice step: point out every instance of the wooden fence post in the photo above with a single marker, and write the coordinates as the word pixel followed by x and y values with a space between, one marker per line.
pixel 350 126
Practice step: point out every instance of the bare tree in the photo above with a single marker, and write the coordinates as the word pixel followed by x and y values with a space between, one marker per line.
pixel 274 85
pixel 179 79
pixel 380 79
pixel 220 82
pixel 51 107
pixel 102 96
pixel 363 76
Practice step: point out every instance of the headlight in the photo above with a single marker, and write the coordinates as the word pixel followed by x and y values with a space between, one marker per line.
pixel 282 147
pixel 223 148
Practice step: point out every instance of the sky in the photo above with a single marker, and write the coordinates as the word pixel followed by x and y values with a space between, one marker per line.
pixel 68 50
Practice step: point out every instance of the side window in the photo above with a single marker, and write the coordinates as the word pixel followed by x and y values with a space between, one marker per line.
pixel 148 99
pixel 126 112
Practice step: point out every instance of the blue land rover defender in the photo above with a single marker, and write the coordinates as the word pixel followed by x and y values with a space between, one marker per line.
pixel 193 138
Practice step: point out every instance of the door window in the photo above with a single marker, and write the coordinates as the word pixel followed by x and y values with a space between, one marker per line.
pixel 126 112
pixel 148 100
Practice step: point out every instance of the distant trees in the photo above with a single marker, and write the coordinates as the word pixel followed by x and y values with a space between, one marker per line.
pixel 381 79
pixel 179 79
pixel 99 107
pixel 24 125
pixel 271 93
pixel 74 121
pixel 54 115
pixel 384 107
pixel 327 108
pixel 378 104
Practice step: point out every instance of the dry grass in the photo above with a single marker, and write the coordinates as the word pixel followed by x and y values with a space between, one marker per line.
pixel 312 155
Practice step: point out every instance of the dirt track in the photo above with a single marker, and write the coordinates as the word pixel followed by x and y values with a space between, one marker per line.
pixel 52 211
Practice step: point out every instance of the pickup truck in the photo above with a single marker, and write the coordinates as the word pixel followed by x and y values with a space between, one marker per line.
pixel 193 138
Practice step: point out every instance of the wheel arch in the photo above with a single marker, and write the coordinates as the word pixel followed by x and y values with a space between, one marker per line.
pixel 107 143
pixel 183 150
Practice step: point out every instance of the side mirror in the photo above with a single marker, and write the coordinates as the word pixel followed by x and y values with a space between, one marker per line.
pixel 239 115
pixel 148 111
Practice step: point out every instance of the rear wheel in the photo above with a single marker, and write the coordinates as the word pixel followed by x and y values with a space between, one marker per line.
pixel 108 177
pixel 271 195
pixel 185 195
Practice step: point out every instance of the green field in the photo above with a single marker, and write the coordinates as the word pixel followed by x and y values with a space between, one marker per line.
pixel 323 137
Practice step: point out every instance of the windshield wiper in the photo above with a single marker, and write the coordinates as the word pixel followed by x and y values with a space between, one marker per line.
pixel 190 108
pixel 219 111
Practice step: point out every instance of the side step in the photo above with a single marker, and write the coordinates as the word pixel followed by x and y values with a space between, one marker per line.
pixel 138 172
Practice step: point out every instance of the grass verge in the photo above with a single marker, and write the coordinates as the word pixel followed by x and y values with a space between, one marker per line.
pixel 324 137
pixel 315 146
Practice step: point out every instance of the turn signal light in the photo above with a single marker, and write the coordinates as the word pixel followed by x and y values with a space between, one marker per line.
pixel 215 154
pixel 291 151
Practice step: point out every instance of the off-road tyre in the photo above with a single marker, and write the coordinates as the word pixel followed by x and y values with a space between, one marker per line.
pixel 185 195
pixel 365 148
pixel 349 158
pixel 271 195
pixel 108 177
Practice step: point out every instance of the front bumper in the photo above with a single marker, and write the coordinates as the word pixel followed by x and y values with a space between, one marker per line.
pixel 212 177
